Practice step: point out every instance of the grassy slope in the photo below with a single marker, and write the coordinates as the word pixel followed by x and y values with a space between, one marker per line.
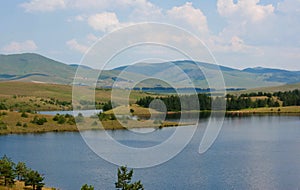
pixel 30 94
pixel 287 87
pixel 21 186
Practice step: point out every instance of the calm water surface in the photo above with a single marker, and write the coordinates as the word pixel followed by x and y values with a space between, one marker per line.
pixel 258 152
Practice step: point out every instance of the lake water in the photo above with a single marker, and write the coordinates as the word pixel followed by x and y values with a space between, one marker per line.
pixel 257 152
pixel 85 113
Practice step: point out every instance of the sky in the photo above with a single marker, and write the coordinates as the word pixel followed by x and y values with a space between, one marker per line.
pixel 239 33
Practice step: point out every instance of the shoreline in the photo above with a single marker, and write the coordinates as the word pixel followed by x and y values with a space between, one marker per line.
pixel 10 119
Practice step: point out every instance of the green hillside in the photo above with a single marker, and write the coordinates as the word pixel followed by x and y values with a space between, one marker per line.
pixel 36 68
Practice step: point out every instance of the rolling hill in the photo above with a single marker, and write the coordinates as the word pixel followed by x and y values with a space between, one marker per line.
pixel 32 67
pixel 176 72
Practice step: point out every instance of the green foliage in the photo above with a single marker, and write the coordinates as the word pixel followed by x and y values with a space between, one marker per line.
pixel 7 170
pixel 21 170
pixel 178 103
pixel 25 125
pixel 19 124
pixel 107 106
pixel 3 125
pixel 124 180
pixel 3 113
pixel 87 187
pixel 38 121
pixel 24 115
pixel 35 179
pixel 289 98
pixel 3 106
pixel 59 118
pixel 244 101
pixel 105 117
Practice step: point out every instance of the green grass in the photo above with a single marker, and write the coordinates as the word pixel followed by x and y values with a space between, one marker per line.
pixel 34 96
pixel 271 89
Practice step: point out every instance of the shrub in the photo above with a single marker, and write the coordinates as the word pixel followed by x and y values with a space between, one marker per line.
pixel 61 119
pixel 39 121
pixel 19 124
pixel 24 115
pixel 79 118
pixel 2 106
pixel 3 125
pixel 94 123
pixel 3 113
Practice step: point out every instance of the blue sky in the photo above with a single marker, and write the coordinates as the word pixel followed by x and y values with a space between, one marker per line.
pixel 239 33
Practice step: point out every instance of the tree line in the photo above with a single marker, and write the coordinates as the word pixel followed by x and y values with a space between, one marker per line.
pixel 233 102
pixel 9 172
pixel 178 103
pixel 123 182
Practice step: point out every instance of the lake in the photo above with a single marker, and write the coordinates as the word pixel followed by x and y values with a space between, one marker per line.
pixel 255 152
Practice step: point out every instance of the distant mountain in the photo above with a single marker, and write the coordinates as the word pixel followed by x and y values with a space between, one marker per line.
pixel 275 75
pixel 177 71
pixel 37 68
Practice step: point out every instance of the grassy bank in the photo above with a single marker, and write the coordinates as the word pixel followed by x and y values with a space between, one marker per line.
pixel 19 185
pixel 271 110
pixel 13 123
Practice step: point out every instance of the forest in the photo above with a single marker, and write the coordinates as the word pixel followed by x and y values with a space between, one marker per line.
pixel 233 102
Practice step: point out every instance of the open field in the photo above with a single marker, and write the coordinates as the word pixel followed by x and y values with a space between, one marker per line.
pixel 271 89
pixel 40 96
pixel 136 110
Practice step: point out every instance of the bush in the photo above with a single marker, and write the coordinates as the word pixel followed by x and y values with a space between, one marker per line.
pixel 94 123
pixel 3 125
pixel 61 119
pixel 19 124
pixel 3 113
pixel 79 118
pixel 24 115
pixel 39 121
pixel 71 120
pixel 2 106
pixel 87 187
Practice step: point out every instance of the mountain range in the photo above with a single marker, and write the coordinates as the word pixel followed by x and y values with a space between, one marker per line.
pixel 37 68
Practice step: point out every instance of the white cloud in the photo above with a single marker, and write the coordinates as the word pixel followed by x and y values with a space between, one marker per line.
pixel 80 17
pixel 74 45
pixel 249 10
pixel 16 47
pixel 91 38
pixel 233 45
pixel 43 5
pixel 87 4
pixel 187 14
pixel 103 21
pixel 289 6
pixel 247 19
pixel 144 10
